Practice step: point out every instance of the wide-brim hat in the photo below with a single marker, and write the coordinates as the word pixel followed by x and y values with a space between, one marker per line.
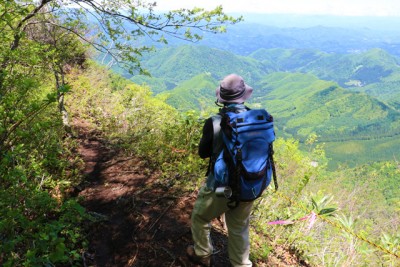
pixel 233 89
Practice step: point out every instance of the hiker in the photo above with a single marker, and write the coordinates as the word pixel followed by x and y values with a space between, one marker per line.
pixel 232 93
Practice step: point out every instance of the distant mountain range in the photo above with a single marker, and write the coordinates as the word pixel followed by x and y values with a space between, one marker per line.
pixel 246 38
pixel 309 90
pixel 382 24
pixel 344 91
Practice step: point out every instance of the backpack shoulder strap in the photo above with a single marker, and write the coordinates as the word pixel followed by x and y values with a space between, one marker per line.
pixel 216 119
pixel 217 135
pixel 216 142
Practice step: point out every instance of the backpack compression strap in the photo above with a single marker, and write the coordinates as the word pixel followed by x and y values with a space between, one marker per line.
pixel 235 179
pixel 273 168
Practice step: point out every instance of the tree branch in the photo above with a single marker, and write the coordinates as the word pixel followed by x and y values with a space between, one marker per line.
pixel 17 35
pixel 97 46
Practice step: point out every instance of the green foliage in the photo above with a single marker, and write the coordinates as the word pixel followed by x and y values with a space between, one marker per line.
pixel 341 197
pixel 39 232
pixel 39 44
pixel 37 226
pixel 36 162
pixel 296 169
pixel 320 205
pixel 120 25
pixel 261 248
pixel 391 243
pixel 142 124
pixel 167 139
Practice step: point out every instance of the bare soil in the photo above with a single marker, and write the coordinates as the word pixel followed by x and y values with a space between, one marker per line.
pixel 139 219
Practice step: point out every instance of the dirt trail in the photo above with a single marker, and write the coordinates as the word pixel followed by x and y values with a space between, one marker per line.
pixel 139 220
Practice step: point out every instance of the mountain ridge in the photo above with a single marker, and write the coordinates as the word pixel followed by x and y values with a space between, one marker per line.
pixel 177 64
pixel 344 105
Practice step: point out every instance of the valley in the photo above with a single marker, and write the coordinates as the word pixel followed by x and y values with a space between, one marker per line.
pixel 343 98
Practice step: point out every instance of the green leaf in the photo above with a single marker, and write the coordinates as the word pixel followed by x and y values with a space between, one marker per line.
pixel 52 97
pixel 327 211
pixel 65 88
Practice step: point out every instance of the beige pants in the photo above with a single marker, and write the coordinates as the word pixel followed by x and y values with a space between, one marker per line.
pixel 207 207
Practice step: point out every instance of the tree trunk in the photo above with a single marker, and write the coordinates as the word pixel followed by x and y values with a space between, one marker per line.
pixel 60 83
pixel 64 114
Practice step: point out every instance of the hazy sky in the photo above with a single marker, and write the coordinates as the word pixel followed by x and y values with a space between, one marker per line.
pixel 321 7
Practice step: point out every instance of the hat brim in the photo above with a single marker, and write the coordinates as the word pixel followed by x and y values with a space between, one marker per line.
pixel 243 98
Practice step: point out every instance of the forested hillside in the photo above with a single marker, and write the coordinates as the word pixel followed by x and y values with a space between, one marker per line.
pixel 349 98
pixel 174 65
pixel 132 120
pixel 98 170
pixel 345 213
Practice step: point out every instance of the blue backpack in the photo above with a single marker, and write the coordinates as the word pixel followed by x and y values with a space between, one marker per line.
pixel 245 163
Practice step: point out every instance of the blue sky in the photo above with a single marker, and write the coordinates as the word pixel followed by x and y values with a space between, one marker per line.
pixel 314 7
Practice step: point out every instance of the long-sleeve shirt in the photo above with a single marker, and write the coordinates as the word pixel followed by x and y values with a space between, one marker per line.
pixel 206 141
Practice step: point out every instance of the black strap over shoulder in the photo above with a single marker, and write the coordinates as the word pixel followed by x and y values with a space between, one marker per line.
pixel 273 168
